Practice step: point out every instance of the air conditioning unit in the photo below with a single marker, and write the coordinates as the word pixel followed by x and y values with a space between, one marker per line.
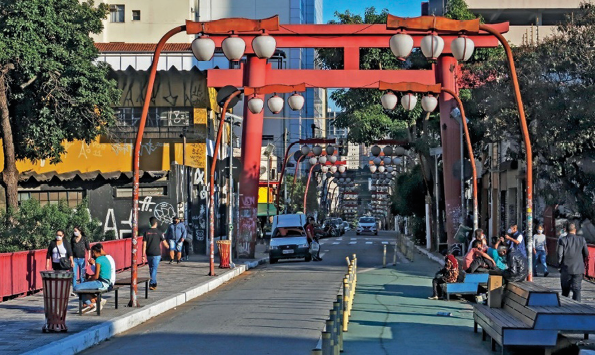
pixel 113 8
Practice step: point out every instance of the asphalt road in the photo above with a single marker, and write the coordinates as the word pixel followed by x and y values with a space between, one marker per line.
pixel 273 309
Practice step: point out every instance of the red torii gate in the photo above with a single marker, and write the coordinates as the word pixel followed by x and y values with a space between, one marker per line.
pixel 256 73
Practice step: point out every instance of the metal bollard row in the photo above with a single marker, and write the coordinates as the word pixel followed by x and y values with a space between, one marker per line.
pixel 338 322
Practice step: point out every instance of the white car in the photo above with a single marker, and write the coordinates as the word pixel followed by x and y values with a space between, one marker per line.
pixel 289 238
pixel 366 225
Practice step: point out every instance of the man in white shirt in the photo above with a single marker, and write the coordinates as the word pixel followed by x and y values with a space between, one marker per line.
pixel 540 251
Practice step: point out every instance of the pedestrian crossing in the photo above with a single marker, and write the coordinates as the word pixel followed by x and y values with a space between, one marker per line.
pixel 355 241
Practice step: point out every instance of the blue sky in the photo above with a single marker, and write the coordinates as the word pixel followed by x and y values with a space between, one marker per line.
pixel 404 8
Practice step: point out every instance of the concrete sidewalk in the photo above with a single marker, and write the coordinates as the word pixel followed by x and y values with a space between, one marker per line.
pixel 21 319
pixel 391 314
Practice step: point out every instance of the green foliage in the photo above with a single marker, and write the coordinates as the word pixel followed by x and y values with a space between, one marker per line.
pixel 296 203
pixel 56 91
pixel 458 10
pixel 35 226
pixel 556 77
pixel 409 194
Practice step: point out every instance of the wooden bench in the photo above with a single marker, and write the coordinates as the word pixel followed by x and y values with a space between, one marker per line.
pixel 119 283
pixel 469 286
pixel 99 294
pixel 532 315
pixel 128 281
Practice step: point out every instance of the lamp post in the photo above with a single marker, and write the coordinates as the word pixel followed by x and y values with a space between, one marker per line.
pixel 462 49
pixel 430 103
pixel 286 157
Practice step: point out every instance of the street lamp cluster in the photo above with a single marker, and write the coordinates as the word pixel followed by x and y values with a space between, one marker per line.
pixel 431 46
pixel 408 101
pixel 264 45
pixel 385 160
pixel 233 47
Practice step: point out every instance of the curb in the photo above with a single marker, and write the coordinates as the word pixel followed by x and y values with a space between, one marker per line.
pixel 85 339
pixel 429 255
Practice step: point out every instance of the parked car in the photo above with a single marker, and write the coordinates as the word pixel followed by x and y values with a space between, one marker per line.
pixel 289 239
pixel 366 225
pixel 338 222
pixel 346 226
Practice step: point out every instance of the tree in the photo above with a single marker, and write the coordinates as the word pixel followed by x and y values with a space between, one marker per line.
pixel 51 90
pixel 557 78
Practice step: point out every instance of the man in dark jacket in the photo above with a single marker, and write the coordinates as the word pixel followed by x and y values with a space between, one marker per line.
pixel 572 254
pixel 517 267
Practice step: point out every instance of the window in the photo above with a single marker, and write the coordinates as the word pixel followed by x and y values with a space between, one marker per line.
pixel 142 191
pixel 135 15
pixel 73 198
pixel 116 13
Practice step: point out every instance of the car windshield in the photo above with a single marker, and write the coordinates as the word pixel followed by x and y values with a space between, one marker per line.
pixel 288 232
pixel 367 220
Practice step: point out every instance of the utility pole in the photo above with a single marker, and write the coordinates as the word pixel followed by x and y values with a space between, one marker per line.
pixel 285 181
pixel 230 193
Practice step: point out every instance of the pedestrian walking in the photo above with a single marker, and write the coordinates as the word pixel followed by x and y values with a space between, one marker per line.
pixel 540 251
pixel 59 255
pixel 187 245
pixel 152 241
pixel 572 255
pixel 176 233
pixel 515 240
pixel 81 252
pixel 311 236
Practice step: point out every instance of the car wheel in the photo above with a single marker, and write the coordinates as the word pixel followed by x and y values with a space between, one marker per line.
pixel 376 233
pixel 308 258
pixel 272 260
pixel 357 233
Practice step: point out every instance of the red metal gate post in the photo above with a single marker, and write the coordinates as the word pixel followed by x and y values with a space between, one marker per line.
pixel 136 162
pixel 254 76
pixel 451 144
pixel 212 184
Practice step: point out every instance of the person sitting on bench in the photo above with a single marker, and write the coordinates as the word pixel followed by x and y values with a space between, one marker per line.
pixel 479 236
pixel 99 281
pixel 449 274
pixel 498 254
pixel 477 260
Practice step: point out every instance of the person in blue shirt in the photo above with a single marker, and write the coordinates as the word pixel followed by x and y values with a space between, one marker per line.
pixel 498 253
pixel 176 234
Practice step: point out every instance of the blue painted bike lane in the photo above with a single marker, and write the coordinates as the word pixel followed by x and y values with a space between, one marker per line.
pixel 392 315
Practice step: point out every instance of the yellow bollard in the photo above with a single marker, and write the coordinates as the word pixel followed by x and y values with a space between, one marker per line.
pixel 345 304
pixel 348 261
pixel 326 343
pixel 330 327
pixel 338 325
pixel 317 352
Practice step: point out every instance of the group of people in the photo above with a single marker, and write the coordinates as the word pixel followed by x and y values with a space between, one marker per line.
pixel 507 256
pixel 77 254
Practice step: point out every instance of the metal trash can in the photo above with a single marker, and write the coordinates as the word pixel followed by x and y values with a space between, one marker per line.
pixel 224 252
pixel 56 292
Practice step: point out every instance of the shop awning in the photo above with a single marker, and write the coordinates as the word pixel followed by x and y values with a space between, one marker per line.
pixel 262 209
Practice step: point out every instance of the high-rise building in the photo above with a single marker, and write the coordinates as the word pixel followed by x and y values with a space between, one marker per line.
pixel 530 20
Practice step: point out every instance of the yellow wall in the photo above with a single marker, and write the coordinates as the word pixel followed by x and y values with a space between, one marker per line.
pixel 262 195
pixel 109 157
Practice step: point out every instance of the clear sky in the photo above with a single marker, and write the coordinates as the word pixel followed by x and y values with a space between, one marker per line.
pixel 404 8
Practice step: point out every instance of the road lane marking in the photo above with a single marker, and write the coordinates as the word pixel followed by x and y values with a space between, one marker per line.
pixel 384 242
pixel 369 242
pixel 353 238
pixel 352 243
pixel 336 243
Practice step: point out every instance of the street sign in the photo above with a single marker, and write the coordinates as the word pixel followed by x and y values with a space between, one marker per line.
pixel 435 151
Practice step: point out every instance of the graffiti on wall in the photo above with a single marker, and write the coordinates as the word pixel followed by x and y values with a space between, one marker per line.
pixel 163 211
